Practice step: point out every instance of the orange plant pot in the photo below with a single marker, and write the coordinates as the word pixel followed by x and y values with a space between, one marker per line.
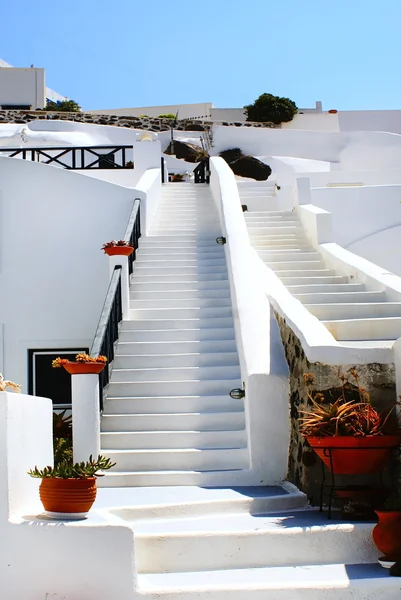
pixel 387 534
pixel 332 112
pixel 354 455
pixel 68 497
pixel 75 368
pixel 119 250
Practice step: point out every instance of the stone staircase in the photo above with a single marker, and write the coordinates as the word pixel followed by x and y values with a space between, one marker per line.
pixel 168 417
pixel 351 313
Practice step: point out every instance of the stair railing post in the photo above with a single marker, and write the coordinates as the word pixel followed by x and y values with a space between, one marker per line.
pixel 85 416
pixel 122 261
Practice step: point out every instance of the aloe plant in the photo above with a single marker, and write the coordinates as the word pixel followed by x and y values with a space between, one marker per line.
pixel 67 470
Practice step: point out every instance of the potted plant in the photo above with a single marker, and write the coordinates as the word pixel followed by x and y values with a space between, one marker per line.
pixel 349 434
pixel 4 384
pixel 387 532
pixel 69 490
pixel 83 364
pixel 120 248
pixel 177 177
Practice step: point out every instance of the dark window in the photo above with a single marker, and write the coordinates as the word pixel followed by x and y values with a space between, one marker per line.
pixel 45 381
pixel 107 161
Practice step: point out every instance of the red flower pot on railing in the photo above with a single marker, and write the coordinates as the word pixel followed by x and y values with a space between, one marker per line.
pixel 83 364
pixel 120 248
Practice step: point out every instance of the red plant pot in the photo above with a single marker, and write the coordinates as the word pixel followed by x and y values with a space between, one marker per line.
pixel 332 112
pixel 119 250
pixel 387 534
pixel 354 455
pixel 68 497
pixel 76 368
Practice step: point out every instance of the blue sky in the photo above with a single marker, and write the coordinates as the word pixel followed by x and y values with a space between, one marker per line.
pixel 125 53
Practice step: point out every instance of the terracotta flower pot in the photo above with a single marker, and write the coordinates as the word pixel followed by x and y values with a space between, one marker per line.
pixel 76 368
pixel 387 534
pixel 119 250
pixel 332 111
pixel 354 455
pixel 67 498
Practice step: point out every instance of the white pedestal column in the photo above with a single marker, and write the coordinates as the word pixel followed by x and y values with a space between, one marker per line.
pixel 85 417
pixel 122 261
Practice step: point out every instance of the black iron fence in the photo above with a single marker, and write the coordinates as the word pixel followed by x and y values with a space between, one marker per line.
pixel 108 328
pixel 202 171
pixel 109 323
pixel 76 157
pixel 133 232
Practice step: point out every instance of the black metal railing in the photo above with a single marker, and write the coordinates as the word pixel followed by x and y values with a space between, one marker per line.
pixel 133 232
pixel 202 171
pixel 76 157
pixel 162 166
pixel 108 328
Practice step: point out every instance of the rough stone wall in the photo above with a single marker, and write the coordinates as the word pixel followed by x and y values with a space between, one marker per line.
pixel 148 124
pixel 304 468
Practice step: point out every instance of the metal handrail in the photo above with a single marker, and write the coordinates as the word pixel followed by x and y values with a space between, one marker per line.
pixel 133 232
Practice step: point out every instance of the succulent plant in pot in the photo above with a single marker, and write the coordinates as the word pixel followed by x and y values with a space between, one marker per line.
pixel 349 434
pixel 83 364
pixel 119 248
pixel 68 490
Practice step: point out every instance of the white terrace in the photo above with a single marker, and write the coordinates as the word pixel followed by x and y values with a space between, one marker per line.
pixel 198 504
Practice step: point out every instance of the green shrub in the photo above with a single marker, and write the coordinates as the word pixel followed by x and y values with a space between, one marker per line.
pixel 64 106
pixel 167 116
pixel 269 108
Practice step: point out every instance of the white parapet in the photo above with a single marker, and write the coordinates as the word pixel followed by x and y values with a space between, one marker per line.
pixel 85 416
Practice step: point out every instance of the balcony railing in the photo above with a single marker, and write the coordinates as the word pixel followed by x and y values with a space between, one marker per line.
pixel 76 157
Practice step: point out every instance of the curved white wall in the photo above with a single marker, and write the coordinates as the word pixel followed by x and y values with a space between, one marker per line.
pixel 53 275
pixel 382 248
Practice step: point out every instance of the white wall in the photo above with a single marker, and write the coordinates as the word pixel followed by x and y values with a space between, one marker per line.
pixel 263 366
pixel 185 111
pixel 23 87
pixel 370 120
pixel 227 114
pixel 316 121
pixel 352 151
pixel 53 275
pixel 366 220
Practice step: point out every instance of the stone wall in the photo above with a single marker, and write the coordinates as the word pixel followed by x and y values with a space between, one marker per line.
pixel 149 124
pixel 304 468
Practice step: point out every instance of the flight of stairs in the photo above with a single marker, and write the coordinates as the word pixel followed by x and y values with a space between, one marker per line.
pixel 168 418
pixel 350 312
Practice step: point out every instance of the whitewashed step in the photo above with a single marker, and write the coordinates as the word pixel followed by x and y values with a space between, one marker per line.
pixel 268 224
pixel 179 294
pixel 274 216
pixel 174 251
pixel 175 405
pixel 188 501
pixel 207 387
pixel 246 541
pixel 198 302
pixel 201 238
pixel 176 323
pixel 325 288
pixel 170 269
pixel 357 310
pixel 176 373
pixel 183 459
pixel 281 244
pixel 300 265
pixel 179 261
pixel 184 229
pixel 153 440
pixel 178 477
pixel 144 276
pixel 180 241
pixel 386 328
pixel 178 347
pixel 257 231
pixel 291 272
pixel 138 361
pixel 160 286
pixel 312 582
pixel 212 312
pixel 342 297
pixel 213 421
pixel 291 254
pixel 322 280
pixel 200 338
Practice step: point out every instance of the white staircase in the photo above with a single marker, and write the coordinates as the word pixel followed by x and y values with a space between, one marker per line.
pixel 168 417
pixel 350 312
